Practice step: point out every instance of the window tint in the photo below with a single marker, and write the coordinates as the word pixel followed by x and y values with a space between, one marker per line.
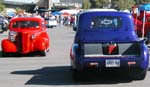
pixel 105 22
pixel 25 24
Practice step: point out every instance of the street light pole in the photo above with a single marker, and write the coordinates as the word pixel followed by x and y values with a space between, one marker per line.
pixel 49 4
pixel 109 4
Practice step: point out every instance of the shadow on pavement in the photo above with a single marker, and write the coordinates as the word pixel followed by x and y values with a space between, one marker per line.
pixel 149 69
pixel 16 55
pixel 61 75
pixel 1 32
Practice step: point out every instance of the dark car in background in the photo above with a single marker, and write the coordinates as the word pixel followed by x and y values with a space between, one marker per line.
pixel 3 24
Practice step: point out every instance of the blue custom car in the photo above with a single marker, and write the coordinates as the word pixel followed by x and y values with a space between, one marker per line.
pixel 107 40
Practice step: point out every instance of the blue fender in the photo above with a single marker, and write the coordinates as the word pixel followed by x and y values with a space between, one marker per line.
pixel 145 55
pixel 73 52
pixel 75 56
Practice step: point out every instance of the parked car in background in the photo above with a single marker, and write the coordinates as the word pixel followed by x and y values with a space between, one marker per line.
pixel 106 40
pixel 3 24
pixel 51 22
pixel 26 35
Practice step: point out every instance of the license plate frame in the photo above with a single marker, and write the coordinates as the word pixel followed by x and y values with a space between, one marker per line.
pixel 112 63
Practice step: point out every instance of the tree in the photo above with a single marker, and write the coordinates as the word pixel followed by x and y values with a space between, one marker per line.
pixel 86 4
pixel 142 1
pixel 124 4
pixel 2 7
pixel 105 3
pixel 29 8
pixel 147 1
pixel 19 10
pixel 99 3
pixel 93 3
pixel 117 4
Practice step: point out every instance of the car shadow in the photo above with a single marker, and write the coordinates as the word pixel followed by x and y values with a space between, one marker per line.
pixel 12 55
pixel 61 75
pixel 149 69
pixel 1 32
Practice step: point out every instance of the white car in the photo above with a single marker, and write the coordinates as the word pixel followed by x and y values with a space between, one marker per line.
pixel 51 22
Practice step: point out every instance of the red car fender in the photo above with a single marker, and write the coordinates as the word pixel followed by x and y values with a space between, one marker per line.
pixel 41 44
pixel 8 46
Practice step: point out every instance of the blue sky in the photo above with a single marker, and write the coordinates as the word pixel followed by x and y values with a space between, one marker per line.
pixel 26 1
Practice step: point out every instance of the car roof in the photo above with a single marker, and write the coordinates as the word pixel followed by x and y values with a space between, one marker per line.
pixel 27 18
pixel 112 12
pixel 100 10
pixel 96 10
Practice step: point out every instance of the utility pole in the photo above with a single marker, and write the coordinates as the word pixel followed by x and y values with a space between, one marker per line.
pixel 109 4
pixel 50 4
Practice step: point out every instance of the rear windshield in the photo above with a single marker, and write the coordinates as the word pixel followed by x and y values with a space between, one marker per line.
pixel 106 22
pixel 25 24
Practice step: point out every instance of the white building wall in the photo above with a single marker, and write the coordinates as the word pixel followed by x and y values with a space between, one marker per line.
pixel 25 1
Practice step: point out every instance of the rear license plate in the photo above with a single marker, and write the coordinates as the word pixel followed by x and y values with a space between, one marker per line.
pixel 112 63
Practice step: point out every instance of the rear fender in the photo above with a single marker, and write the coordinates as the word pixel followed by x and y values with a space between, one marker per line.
pixel 73 51
pixel 145 56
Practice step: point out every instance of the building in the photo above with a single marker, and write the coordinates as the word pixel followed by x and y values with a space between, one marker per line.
pixel 19 1
pixel 42 4
pixel 59 4
pixel 16 3
pixel 11 5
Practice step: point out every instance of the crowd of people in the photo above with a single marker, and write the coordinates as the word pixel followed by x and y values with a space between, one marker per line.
pixel 67 20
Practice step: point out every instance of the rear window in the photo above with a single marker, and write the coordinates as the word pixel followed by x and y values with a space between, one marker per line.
pixel 25 24
pixel 106 22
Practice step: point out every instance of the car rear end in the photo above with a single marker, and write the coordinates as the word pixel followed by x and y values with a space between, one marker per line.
pixel 105 41
pixel 50 23
pixel 113 55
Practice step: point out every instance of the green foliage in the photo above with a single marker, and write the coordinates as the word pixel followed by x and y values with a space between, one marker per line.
pixel 19 10
pixel 86 4
pixel 29 8
pixel 124 4
pixel 93 3
pixel 2 7
pixel 146 1
pixel 142 1
pixel 118 4
pixel 99 3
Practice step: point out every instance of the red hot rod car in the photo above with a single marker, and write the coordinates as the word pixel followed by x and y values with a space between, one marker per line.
pixel 26 35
